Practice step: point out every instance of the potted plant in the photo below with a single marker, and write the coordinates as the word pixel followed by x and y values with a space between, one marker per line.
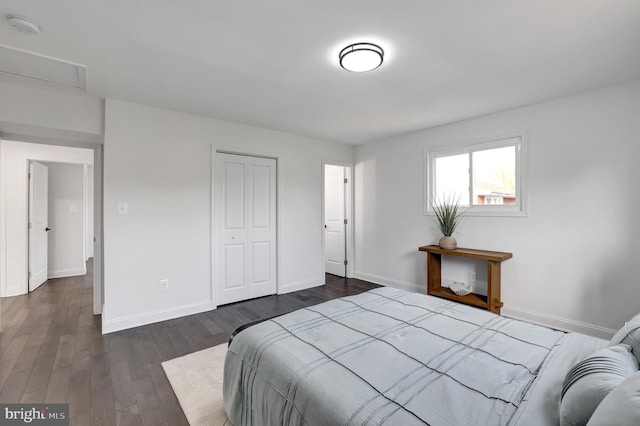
pixel 447 213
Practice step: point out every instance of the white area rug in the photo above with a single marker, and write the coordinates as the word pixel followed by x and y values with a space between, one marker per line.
pixel 197 382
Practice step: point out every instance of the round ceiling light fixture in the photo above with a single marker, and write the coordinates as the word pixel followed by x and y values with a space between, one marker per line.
pixel 361 57
pixel 23 24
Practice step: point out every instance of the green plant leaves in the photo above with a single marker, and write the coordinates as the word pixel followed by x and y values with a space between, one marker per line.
pixel 448 214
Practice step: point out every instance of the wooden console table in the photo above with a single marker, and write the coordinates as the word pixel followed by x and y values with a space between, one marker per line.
pixel 491 301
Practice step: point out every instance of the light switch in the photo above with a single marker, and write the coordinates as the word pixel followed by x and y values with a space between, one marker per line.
pixel 123 207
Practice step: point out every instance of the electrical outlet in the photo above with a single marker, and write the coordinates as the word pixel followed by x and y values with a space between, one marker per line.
pixel 164 285
pixel 472 276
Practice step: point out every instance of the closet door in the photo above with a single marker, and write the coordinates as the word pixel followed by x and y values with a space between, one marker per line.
pixel 245 227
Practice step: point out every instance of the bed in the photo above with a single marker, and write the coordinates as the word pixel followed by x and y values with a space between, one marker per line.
pixel 397 358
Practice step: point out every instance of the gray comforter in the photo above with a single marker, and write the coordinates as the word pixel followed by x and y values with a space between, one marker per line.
pixel 384 357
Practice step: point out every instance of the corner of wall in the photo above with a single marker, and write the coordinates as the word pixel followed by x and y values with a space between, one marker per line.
pixel 390 282
pixel 300 285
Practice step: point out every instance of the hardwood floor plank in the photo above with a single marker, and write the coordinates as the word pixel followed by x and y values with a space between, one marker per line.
pixel 35 397
pixel 165 347
pixel 190 335
pixel 129 416
pixel 102 408
pixel 6 366
pixel 49 344
pixel 15 347
pixel 58 387
pixel 40 374
pixel 148 402
pixel 100 371
pixel 14 386
pixel 125 396
pixel 179 342
pixel 79 396
pixel 64 354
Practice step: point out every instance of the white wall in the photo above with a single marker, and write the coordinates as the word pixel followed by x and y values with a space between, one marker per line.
pixel 14 159
pixel 66 220
pixel 42 112
pixel 574 255
pixel 159 163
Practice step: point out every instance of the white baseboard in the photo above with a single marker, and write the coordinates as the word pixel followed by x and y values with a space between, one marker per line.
pixel 540 318
pixel 300 285
pixel 558 323
pixel 390 282
pixel 109 325
pixel 14 292
pixel 66 273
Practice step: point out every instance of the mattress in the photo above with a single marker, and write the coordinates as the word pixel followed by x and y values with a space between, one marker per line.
pixel 397 358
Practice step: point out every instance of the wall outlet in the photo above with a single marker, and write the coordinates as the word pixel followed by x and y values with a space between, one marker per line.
pixel 472 276
pixel 164 285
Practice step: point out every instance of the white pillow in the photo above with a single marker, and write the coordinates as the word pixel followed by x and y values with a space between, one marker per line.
pixel 629 335
pixel 589 382
pixel 621 407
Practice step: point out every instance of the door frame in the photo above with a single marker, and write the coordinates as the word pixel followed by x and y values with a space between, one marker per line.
pixel 214 236
pixel 349 202
pixel 15 157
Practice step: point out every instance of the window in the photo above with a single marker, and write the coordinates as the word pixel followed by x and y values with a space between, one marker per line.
pixel 488 177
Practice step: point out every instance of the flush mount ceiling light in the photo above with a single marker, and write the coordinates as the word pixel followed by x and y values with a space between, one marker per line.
pixel 23 24
pixel 361 57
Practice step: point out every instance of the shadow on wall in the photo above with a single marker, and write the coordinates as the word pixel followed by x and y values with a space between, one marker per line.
pixel 611 272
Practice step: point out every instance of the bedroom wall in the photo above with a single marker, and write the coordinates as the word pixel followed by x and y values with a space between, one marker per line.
pixel 575 255
pixel 159 163
pixel 66 220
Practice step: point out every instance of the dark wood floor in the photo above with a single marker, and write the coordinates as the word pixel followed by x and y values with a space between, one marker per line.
pixel 52 350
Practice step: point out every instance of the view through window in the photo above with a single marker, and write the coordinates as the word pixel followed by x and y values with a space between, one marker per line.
pixel 485 176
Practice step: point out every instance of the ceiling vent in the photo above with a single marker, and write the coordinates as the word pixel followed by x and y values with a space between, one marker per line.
pixel 33 66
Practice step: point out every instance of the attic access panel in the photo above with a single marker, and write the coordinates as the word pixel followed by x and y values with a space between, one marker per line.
pixel 34 66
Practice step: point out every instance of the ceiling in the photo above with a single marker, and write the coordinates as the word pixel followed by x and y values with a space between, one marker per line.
pixel 274 63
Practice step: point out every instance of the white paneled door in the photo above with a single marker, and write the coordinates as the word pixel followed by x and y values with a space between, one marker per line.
pixel 334 216
pixel 245 227
pixel 38 224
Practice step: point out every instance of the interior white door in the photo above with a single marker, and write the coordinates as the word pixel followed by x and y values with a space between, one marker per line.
pixel 245 227
pixel 38 224
pixel 334 215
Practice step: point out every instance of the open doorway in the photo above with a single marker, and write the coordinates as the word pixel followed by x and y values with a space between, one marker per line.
pixel 16 158
pixel 59 221
pixel 337 219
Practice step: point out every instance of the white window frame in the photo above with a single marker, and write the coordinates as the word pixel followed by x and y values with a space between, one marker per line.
pixel 517 209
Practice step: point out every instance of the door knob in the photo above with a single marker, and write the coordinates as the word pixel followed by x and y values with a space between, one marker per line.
pixel 47 229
